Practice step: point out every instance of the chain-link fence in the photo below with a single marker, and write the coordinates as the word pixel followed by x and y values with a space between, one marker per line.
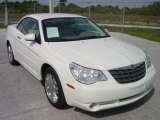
pixel 118 14
pixel 17 11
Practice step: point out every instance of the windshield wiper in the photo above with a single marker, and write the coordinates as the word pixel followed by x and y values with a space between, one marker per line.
pixel 60 39
pixel 91 37
pixel 63 39
pixel 67 39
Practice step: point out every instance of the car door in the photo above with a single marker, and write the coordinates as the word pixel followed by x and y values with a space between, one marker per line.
pixel 29 51
pixel 16 43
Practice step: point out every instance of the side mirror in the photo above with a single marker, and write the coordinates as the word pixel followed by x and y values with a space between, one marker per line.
pixel 30 37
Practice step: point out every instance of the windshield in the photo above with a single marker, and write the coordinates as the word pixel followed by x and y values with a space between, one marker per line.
pixel 71 29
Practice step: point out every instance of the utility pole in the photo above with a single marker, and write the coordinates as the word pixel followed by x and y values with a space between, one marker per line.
pixel 123 17
pixel 59 6
pixel 34 8
pixel 6 13
pixel 51 10
pixel 89 9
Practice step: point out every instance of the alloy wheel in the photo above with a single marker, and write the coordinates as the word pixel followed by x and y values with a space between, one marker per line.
pixel 51 88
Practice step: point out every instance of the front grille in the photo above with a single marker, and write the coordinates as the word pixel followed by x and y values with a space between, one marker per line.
pixel 129 74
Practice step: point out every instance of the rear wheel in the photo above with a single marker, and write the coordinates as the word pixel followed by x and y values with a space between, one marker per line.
pixel 11 55
pixel 53 89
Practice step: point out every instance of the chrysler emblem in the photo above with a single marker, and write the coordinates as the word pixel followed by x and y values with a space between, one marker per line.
pixel 132 66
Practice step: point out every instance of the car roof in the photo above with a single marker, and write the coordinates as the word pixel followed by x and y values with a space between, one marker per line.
pixel 43 16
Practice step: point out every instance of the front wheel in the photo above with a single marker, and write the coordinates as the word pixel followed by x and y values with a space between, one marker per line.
pixel 53 89
pixel 11 55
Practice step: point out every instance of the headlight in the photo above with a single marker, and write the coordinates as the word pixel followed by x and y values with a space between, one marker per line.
pixel 148 61
pixel 86 75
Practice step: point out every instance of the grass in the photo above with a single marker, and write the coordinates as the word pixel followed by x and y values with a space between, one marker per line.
pixel 150 34
pixel 2 26
pixel 129 19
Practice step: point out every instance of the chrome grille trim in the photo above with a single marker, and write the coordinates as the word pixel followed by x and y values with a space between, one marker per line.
pixel 128 74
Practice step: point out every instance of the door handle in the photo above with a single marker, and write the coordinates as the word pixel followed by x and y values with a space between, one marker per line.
pixel 18 37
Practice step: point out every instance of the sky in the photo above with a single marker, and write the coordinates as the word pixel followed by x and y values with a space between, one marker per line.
pixel 137 3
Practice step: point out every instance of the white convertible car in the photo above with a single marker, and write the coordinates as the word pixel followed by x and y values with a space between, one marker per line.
pixel 78 62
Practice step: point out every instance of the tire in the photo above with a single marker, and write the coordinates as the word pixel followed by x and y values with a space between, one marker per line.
pixel 53 89
pixel 11 56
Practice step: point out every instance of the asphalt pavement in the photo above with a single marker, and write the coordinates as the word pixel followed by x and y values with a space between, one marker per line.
pixel 22 96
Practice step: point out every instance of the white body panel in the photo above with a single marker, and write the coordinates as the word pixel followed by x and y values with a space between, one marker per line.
pixel 102 54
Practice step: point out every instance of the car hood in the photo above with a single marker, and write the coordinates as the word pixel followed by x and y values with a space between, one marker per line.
pixel 103 54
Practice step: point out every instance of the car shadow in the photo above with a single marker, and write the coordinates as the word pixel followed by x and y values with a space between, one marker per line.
pixel 119 110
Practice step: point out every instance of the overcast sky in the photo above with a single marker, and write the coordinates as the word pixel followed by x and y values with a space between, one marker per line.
pixel 136 3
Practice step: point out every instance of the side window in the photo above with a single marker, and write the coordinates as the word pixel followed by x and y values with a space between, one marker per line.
pixel 32 27
pixel 21 25
pixel 28 26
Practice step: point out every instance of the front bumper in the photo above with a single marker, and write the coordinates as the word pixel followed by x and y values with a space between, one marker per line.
pixel 109 94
